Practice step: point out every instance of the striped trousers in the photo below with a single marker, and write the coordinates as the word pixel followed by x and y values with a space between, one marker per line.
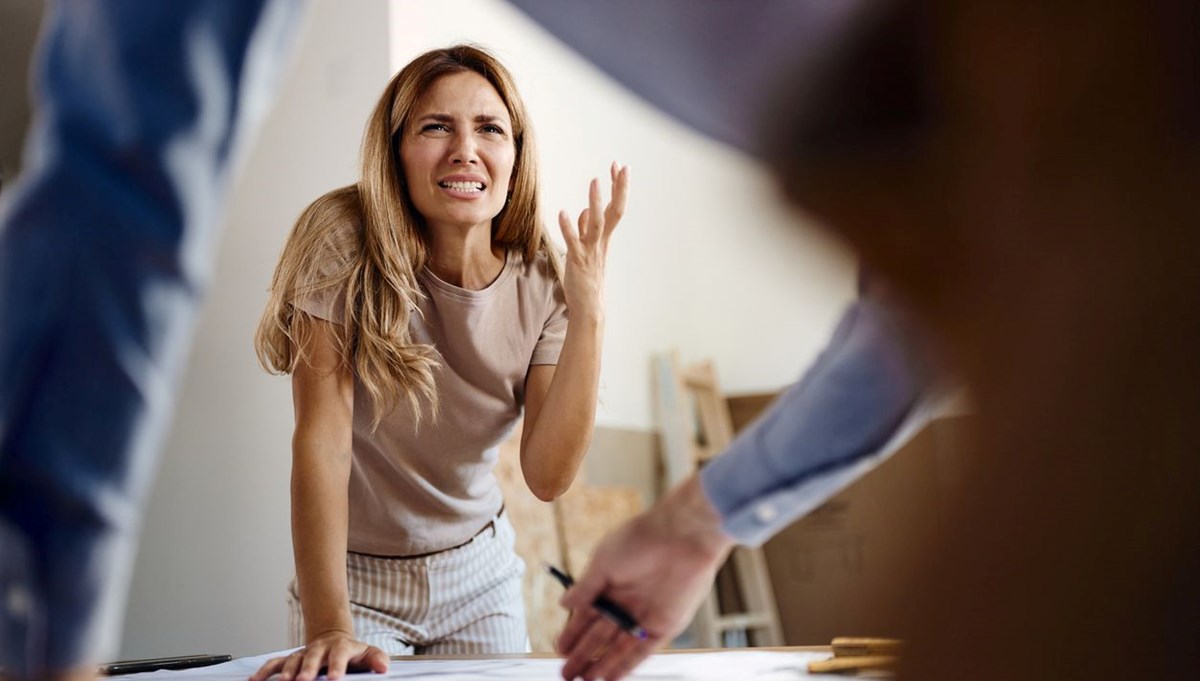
pixel 461 601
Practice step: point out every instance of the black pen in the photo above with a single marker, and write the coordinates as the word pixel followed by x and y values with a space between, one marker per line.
pixel 155 664
pixel 605 607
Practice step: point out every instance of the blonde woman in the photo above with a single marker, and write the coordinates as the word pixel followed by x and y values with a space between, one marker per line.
pixel 420 311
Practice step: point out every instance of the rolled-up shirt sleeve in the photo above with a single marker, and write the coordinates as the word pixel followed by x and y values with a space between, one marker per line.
pixel 854 405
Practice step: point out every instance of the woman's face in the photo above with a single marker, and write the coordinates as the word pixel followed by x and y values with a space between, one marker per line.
pixel 458 153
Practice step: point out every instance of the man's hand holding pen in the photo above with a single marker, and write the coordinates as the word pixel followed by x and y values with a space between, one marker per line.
pixel 615 613
pixel 655 570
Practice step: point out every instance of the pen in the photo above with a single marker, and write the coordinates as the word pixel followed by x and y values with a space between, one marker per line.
pixel 605 607
pixel 181 662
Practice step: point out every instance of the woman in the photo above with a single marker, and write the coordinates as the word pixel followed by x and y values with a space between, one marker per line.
pixel 418 311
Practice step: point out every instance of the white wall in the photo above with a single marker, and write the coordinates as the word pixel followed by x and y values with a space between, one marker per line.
pixel 705 261
pixel 216 548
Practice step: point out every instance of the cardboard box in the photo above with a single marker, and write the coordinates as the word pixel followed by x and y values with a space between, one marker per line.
pixel 836 571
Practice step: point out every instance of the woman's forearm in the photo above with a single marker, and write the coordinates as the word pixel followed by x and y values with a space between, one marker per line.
pixel 319 532
pixel 557 441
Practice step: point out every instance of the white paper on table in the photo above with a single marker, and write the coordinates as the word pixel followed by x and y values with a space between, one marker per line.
pixel 726 665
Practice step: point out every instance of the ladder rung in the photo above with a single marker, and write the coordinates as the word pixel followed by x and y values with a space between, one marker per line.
pixel 746 620
pixel 696 427
pixel 697 377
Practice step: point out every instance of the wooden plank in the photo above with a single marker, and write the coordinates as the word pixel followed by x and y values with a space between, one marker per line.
pixel 586 514
pixel 715 425
pixel 743 409
pixel 676 423
pixel 696 425
pixel 758 595
pixel 743 621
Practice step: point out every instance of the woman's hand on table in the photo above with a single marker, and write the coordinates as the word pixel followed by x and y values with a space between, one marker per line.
pixel 337 652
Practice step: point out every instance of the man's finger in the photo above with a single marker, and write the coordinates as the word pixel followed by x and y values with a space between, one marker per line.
pixel 580 620
pixel 586 589
pixel 630 659
pixel 591 647
pixel 620 651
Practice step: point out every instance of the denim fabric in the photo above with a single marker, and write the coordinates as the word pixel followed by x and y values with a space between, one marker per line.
pixel 105 245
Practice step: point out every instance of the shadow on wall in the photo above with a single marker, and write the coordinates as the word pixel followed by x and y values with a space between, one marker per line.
pixel 21 21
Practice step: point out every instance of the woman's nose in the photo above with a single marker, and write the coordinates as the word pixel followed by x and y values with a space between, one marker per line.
pixel 463 151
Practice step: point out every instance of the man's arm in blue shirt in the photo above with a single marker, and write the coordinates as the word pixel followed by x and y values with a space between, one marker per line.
pixel 820 435
pixel 806 446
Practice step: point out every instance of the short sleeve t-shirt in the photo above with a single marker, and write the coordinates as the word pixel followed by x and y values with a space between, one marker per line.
pixel 419 490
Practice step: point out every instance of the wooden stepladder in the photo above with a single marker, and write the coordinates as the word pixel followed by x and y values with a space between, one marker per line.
pixel 696 426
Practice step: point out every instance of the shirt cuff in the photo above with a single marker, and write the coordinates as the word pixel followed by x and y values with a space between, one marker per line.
pixel 761 518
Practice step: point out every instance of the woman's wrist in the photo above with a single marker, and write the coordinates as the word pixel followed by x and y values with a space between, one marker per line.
pixel 326 633
pixel 591 315
pixel 323 621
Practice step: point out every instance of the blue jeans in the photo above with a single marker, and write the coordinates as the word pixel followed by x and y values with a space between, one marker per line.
pixel 106 241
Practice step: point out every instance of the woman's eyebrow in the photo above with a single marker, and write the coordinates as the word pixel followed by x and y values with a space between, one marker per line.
pixel 447 118
pixel 439 117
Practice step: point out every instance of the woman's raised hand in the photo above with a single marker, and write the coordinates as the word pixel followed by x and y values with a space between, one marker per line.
pixel 587 246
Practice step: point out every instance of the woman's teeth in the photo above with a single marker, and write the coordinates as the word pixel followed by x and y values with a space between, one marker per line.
pixel 463 186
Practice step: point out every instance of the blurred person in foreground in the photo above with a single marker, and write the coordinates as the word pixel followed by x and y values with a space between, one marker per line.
pixel 1023 175
pixel 106 240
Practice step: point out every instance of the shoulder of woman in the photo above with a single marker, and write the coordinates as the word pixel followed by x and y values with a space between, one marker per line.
pixel 335 220
pixel 327 239
pixel 542 266
pixel 543 275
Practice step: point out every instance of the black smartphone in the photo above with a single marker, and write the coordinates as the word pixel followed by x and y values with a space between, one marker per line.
pixel 180 662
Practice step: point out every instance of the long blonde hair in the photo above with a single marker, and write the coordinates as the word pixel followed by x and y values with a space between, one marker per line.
pixel 378 243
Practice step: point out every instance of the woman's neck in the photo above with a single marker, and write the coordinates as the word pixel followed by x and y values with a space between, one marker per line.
pixel 466 259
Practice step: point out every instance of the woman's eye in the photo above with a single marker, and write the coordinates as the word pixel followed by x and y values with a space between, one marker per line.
pixel 434 127
pixel 494 129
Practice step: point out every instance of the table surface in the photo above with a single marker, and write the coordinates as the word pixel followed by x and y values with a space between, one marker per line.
pixel 749 662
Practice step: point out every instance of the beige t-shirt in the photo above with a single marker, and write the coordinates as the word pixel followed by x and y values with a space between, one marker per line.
pixel 414 492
